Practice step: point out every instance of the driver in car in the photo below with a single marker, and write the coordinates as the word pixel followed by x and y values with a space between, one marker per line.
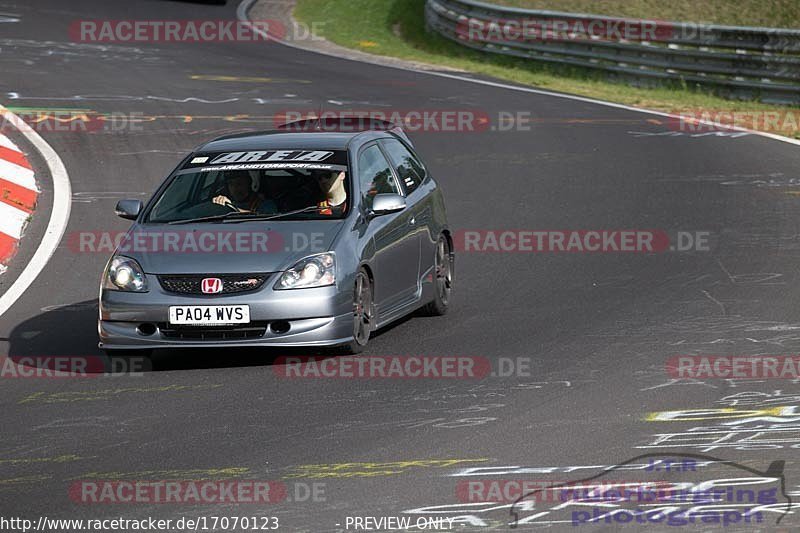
pixel 242 194
pixel 333 196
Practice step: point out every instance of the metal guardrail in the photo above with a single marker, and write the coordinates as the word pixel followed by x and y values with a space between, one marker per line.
pixel 740 62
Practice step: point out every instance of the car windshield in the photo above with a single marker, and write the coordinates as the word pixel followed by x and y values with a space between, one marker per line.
pixel 236 192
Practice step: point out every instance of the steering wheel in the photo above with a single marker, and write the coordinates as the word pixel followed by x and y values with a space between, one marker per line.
pixel 230 206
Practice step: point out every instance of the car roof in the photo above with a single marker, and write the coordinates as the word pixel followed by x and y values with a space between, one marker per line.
pixel 279 139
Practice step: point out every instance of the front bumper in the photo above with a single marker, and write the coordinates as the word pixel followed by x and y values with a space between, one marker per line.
pixel 315 317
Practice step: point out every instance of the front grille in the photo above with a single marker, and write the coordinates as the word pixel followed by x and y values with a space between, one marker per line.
pixel 231 283
pixel 254 330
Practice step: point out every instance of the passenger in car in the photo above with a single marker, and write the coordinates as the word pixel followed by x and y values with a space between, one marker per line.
pixel 333 196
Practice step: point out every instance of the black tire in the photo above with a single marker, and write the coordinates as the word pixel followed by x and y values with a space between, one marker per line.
pixel 442 279
pixel 363 314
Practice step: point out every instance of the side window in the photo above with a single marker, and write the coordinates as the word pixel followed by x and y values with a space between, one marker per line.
pixel 375 175
pixel 408 167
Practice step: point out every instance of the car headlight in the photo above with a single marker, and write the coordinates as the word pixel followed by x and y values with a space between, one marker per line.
pixel 124 274
pixel 315 271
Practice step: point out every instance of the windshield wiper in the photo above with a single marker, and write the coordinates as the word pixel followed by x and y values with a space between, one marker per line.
pixel 232 214
pixel 236 216
pixel 279 215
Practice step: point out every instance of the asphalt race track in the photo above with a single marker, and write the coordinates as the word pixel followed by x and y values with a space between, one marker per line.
pixel 596 329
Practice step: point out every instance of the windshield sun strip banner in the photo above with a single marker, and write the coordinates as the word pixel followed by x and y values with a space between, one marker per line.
pixel 272 166
pixel 268 156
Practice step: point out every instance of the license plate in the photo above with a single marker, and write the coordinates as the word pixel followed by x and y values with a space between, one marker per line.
pixel 209 315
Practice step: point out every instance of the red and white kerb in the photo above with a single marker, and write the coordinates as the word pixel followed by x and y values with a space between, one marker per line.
pixel 18 194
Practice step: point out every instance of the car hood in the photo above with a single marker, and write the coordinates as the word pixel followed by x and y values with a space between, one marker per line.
pixel 243 247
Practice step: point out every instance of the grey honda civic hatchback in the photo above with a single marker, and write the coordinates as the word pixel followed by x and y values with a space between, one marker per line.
pixel 297 237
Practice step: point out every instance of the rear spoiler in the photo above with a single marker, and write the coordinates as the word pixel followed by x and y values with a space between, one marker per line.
pixel 352 124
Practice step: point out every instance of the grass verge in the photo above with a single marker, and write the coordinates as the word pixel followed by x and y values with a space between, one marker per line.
pixel 396 28
pixel 770 13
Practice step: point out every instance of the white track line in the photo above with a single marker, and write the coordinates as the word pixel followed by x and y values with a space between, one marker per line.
pixel 244 9
pixel 59 217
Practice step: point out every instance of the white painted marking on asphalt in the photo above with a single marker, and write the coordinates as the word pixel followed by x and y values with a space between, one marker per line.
pixel 89 197
pixel 12 220
pixel 59 217
pixel 16 174
pixel 730 134
pixel 244 9
pixel 120 98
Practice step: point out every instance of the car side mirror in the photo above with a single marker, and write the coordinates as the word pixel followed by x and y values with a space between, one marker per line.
pixel 385 204
pixel 128 209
